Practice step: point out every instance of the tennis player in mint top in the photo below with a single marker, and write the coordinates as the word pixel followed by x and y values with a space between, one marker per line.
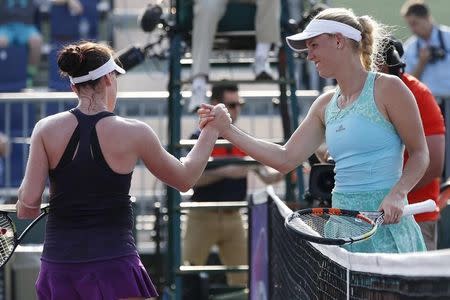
pixel 364 129
pixel 89 154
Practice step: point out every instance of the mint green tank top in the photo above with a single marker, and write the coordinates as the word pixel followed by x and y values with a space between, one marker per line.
pixel 365 146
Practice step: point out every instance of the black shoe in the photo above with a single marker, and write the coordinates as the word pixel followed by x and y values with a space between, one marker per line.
pixel 264 76
pixel 262 70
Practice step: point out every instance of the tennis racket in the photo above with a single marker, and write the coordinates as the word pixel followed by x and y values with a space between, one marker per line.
pixel 334 226
pixel 9 238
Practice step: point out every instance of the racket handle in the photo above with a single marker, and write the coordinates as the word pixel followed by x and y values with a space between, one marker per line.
pixel 418 208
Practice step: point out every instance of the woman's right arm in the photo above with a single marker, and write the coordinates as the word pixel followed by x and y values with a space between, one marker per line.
pixel 181 175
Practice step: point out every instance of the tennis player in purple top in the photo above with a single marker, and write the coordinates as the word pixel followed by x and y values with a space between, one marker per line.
pixel 88 154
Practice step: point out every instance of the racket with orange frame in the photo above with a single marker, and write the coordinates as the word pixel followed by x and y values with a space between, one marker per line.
pixel 334 226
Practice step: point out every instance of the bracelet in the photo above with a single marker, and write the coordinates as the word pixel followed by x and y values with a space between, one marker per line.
pixel 27 205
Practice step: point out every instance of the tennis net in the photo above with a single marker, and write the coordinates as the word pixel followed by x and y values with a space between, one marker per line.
pixel 302 270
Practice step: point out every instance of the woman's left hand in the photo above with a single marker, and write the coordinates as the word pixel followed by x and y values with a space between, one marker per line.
pixel 392 206
pixel 218 116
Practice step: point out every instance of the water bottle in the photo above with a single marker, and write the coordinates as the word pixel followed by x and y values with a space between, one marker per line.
pixel 83 28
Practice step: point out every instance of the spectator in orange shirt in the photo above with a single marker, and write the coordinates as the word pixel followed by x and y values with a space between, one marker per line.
pixel 433 125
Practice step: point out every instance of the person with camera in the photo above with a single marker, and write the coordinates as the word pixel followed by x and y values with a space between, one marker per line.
pixel 434 129
pixel 426 52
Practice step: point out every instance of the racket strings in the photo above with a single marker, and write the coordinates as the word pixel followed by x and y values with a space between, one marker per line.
pixel 331 226
pixel 7 239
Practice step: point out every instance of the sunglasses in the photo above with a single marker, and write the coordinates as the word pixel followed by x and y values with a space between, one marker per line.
pixel 233 105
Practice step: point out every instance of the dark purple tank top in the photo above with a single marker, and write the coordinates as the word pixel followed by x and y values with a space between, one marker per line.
pixel 91 216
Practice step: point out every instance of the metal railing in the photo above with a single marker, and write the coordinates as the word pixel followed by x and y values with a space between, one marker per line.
pixel 19 112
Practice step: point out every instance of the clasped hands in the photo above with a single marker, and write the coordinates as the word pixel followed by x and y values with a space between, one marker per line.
pixel 216 116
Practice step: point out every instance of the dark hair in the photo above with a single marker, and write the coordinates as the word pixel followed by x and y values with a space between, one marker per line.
pixel 219 89
pixel 415 8
pixel 392 53
pixel 78 59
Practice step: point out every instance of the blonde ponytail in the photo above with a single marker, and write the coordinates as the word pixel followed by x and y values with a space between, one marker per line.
pixel 371 33
pixel 367 41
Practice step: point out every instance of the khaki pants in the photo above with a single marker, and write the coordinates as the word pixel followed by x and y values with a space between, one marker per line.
pixel 429 232
pixel 224 228
pixel 207 14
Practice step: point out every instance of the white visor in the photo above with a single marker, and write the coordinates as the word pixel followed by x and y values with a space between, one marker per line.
pixel 317 27
pixel 106 68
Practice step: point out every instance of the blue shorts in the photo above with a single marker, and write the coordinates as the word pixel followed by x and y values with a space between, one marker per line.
pixel 18 33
